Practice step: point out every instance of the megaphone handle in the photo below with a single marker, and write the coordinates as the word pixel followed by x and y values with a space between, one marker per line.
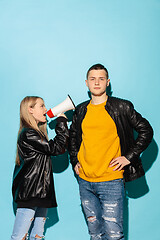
pixel 71 100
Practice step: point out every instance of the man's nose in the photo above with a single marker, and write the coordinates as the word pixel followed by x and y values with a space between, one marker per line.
pixel 97 81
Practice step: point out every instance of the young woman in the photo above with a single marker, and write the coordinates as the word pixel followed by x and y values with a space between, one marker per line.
pixel 33 187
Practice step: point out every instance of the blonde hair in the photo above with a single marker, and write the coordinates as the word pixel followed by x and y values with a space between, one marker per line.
pixel 27 120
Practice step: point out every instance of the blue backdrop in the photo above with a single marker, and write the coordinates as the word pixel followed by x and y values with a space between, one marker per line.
pixel 46 47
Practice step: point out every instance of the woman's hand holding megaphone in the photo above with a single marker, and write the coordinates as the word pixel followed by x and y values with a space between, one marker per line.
pixel 62 115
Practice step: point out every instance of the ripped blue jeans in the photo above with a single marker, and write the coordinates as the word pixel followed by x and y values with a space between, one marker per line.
pixel 23 221
pixel 102 203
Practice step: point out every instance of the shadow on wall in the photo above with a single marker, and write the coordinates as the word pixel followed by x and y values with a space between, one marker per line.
pixel 139 187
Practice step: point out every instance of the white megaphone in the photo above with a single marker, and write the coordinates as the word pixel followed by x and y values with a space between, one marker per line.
pixel 64 106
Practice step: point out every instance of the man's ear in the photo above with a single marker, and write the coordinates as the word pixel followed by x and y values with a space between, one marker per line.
pixel 30 110
pixel 108 81
pixel 86 81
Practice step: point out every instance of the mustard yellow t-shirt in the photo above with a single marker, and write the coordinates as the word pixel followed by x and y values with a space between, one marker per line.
pixel 100 144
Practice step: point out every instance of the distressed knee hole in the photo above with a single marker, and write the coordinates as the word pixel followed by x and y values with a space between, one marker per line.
pixel 110 205
pixel 86 202
pixel 110 208
pixel 37 236
pixel 110 219
pixel 92 219
pixel 98 236
pixel 115 234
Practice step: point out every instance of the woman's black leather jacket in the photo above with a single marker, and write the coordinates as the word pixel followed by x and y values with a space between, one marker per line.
pixel 126 119
pixel 33 180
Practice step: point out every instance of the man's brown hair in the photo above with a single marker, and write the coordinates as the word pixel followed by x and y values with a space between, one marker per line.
pixel 98 66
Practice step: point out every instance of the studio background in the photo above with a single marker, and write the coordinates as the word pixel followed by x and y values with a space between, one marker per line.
pixel 46 48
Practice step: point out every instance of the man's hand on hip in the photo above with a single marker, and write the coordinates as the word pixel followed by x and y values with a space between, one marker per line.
pixel 119 162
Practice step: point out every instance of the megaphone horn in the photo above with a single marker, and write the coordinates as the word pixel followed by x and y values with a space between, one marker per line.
pixel 64 106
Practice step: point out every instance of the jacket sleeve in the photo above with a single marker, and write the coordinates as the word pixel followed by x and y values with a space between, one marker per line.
pixel 144 130
pixel 72 148
pixel 32 140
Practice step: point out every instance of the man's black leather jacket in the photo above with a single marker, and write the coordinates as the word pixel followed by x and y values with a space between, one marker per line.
pixel 126 119
pixel 33 179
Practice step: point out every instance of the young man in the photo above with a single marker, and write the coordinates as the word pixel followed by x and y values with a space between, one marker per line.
pixel 103 152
